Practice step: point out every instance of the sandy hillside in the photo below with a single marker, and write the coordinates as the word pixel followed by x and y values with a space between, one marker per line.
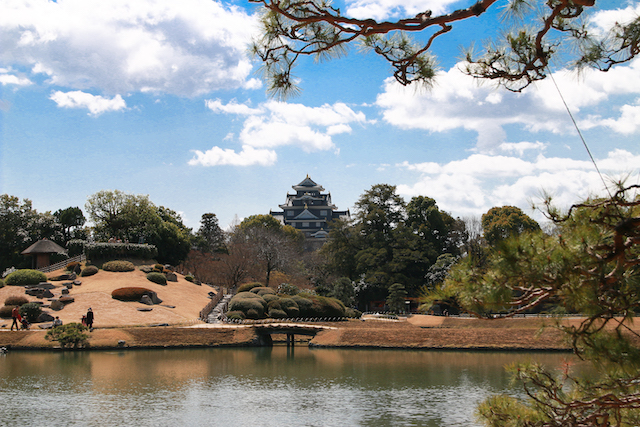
pixel 95 292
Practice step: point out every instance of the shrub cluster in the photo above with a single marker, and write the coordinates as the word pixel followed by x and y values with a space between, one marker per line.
pixel 288 289
pixel 15 300
pixel 31 311
pixel 119 250
pixel 129 294
pixel 25 277
pixel 248 286
pixel 1 283
pixel 5 311
pixel 89 270
pixel 261 302
pixel 118 266
pixel 189 278
pixel 74 267
pixel 158 278
pixel 69 335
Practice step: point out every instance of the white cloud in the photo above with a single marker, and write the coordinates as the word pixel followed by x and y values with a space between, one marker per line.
pixel 6 78
pixel 471 186
pixel 249 156
pixel 184 48
pixel 458 102
pixel 276 124
pixel 384 9
pixel 95 104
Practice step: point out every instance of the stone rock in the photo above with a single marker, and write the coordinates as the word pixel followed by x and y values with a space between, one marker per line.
pixel 67 300
pixel 69 285
pixel 168 306
pixel 121 343
pixel 146 299
pixel 47 294
pixel 154 297
pixel 144 308
pixel 45 325
pixel 70 276
pixel 45 285
pixel 77 282
pixel 57 305
pixel 65 291
pixel 34 292
pixel 45 317
pixel 171 277
pixel 155 325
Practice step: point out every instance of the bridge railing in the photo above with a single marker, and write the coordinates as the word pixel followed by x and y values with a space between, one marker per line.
pixel 285 320
pixel 61 264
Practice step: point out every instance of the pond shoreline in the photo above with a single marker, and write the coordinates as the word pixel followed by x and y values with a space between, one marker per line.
pixel 454 334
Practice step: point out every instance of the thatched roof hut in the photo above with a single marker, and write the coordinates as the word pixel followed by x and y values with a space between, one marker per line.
pixel 41 251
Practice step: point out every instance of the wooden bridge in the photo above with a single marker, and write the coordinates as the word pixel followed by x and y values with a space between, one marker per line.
pixel 264 331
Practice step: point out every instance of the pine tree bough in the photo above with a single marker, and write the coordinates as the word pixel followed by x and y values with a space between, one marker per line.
pixel 292 29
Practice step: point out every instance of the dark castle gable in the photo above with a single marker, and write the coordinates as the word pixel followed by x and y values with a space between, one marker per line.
pixel 309 210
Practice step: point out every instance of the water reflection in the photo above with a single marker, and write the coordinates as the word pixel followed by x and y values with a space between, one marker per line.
pixel 262 387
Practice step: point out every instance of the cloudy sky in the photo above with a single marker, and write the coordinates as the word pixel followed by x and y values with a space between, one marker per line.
pixel 160 97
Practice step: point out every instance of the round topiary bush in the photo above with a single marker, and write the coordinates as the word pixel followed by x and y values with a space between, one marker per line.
pixel 5 311
pixel 74 267
pixel 304 305
pixel 1 283
pixel 235 315
pixel 158 278
pixel 15 300
pixel 270 297
pixel 245 301
pixel 248 286
pixel 31 311
pixel 277 314
pixel 189 278
pixel 129 294
pixel 290 307
pixel 254 314
pixel 353 313
pixel 263 290
pixel 25 277
pixel 118 266
pixel 89 270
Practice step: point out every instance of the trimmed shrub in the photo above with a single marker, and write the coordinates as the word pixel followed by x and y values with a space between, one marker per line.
pixel 69 335
pixel 275 304
pixel 353 313
pixel 74 267
pixel 25 277
pixel 248 286
pixel 13 301
pixel 245 301
pixel 235 315
pixel 118 266
pixel 254 314
pixel 103 251
pixel 290 307
pixel 5 311
pixel 159 268
pixel 304 305
pixel 263 290
pixel 270 297
pixel 129 294
pixel 277 314
pixel 89 270
pixel 158 278
pixel 31 311
pixel 288 289
pixel 1 283
pixel 189 278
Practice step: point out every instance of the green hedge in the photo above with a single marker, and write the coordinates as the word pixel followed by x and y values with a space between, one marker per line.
pixel 129 294
pixel 158 278
pixel 103 251
pixel 263 290
pixel 118 266
pixel 75 247
pixel 5 311
pixel 25 277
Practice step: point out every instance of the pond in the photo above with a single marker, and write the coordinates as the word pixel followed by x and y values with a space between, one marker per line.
pixel 253 387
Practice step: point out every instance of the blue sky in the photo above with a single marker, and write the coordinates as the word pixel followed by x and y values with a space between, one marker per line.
pixel 161 98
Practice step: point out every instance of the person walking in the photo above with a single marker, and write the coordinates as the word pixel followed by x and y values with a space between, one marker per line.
pixel 15 314
pixel 90 319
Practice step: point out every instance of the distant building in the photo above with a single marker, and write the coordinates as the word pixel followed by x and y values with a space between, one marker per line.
pixel 309 210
